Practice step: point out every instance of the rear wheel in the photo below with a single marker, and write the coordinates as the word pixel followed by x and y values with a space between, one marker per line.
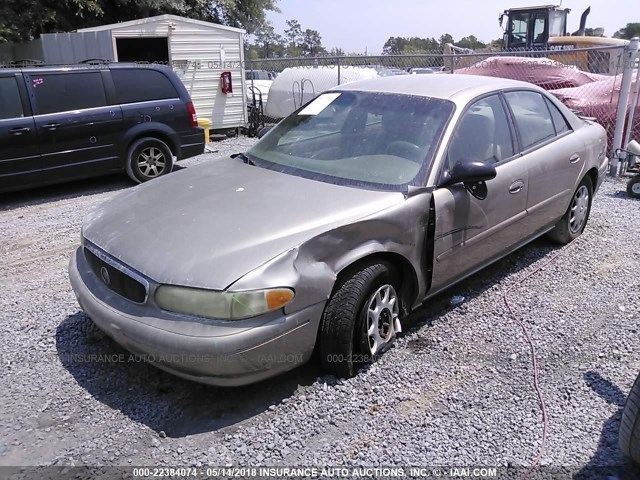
pixel 633 187
pixel 572 224
pixel 361 320
pixel 148 158
pixel 629 435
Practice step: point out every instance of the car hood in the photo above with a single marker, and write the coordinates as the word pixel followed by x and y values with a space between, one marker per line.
pixel 207 226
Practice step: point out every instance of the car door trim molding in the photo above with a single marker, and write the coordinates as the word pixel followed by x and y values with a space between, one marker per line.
pixel 481 236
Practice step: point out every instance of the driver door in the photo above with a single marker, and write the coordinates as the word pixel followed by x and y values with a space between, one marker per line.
pixel 472 232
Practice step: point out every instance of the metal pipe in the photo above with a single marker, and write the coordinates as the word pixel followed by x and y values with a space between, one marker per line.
pixel 631 53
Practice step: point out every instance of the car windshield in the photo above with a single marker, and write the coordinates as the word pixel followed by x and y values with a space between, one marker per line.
pixel 379 141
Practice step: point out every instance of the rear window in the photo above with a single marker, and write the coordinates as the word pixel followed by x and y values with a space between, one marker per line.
pixel 559 122
pixel 10 103
pixel 142 85
pixel 63 92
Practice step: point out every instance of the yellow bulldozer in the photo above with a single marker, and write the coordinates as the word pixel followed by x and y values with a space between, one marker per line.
pixel 545 28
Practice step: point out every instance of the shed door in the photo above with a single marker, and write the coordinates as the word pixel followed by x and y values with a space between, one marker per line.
pixel 149 49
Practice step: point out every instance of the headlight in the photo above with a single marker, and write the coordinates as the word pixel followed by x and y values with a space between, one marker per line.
pixel 222 305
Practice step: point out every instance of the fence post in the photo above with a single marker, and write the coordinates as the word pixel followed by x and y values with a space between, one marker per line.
pixel 629 59
pixel 635 97
pixel 338 62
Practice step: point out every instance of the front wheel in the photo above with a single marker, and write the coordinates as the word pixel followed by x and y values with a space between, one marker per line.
pixel 633 187
pixel 148 158
pixel 361 320
pixel 573 222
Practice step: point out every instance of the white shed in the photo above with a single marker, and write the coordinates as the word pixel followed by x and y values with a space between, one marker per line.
pixel 198 52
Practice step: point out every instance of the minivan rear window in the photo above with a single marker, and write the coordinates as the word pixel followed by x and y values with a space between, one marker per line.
pixel 142 85
pixel 63 92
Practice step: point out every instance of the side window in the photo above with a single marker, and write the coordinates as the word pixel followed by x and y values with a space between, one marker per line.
pixel 538 28
pixel 519 24
pixel 532 117
pixel 10 103
pixel 67 91
pixel 482 134
pixel 559 122
pixel 142 85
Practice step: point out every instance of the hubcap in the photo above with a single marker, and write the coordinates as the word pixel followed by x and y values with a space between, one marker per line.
pixel 382 319
pixel 151 162
pixel 579 209
pixel 635 188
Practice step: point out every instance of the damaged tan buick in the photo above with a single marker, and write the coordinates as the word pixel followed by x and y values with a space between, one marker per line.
pixel 342 219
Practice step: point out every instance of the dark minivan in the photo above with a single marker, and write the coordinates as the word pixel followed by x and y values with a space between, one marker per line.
pixel 71 122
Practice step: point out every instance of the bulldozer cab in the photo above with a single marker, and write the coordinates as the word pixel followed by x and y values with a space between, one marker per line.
pixel 531 27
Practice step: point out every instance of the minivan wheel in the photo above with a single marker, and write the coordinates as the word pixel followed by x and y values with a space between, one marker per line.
pixel 148 158
pixel 361 320
pixel 573 222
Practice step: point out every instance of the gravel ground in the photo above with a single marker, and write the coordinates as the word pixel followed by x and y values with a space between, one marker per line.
pixel 456 389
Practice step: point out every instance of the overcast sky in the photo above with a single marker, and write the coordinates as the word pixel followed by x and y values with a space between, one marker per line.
pixel 358 24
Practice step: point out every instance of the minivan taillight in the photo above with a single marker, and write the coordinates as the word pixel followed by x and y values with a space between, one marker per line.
pixel 192 114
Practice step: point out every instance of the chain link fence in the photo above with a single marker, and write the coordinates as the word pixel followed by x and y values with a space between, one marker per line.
pixel 587 80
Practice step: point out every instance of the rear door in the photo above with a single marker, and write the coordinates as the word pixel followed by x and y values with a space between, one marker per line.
pixel 553 153
pixel 471 232
pixel 77 128
pixel 19 155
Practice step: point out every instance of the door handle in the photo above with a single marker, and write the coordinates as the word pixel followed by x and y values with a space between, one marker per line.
pixel 575 158
pixel 51 126
pixel 516 187
pixel 19 131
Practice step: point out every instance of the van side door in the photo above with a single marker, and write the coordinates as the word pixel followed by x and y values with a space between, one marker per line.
pixel 77 128
pixel 19 154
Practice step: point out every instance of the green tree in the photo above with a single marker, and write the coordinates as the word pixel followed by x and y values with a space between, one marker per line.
pixel 294 36
pixel 268 42
pixel 629 31
pixel 470 42
pixel 446 38
pixel 312 43
pixel 26 19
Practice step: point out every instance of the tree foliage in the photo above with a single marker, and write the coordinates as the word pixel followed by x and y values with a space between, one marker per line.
pixel 629 31
pixel 22 20
pixel 296 42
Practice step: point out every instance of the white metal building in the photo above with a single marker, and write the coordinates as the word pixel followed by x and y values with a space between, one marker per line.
pixel 198 52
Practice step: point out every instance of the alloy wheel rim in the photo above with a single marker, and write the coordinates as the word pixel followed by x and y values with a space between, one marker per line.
pixel 579 209
pixel 635 188
pixel 382 319
pixel 152 162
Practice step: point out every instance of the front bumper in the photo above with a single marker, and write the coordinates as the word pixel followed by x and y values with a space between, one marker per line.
pixel 220 353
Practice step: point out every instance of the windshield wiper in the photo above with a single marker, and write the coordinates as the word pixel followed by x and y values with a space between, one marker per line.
pixel 244 158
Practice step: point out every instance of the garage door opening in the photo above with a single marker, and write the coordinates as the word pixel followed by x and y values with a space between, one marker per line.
pixel 143 49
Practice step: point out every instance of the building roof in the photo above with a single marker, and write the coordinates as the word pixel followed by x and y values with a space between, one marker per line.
pixel 160 18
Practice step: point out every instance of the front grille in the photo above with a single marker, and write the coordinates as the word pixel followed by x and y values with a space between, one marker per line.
pixel 115 279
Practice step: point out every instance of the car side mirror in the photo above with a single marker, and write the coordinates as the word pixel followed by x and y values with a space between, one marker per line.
pixel 473 175
pixel 263 131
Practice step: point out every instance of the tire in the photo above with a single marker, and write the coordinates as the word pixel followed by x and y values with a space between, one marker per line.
pixel 633 187
pixel 345 342
pixel 629 434
pixel 573 222
pixel 148 158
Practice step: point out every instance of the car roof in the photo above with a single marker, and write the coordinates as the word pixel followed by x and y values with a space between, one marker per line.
pixel 457 87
